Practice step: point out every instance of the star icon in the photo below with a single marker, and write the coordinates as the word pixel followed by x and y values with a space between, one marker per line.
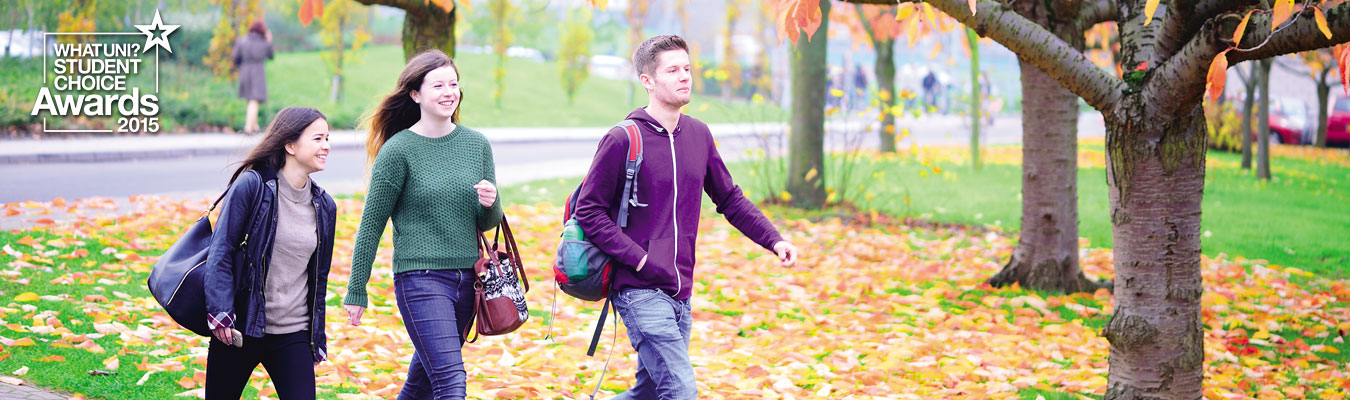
pixel 157 26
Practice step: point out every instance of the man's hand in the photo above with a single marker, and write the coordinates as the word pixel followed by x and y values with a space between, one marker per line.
pixel 487 193
pixel 787 253
pixel 354 314
pixel 223 334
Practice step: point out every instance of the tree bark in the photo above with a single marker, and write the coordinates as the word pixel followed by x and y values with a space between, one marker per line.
pixel 1263 122
pixel 885 67
pixel 1246 132
pixel 1156 177
pixel 425 26
pixel 1323 98
pixel 1046 257
pixel 806 148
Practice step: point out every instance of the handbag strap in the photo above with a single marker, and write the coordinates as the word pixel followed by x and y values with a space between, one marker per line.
pixel 513 252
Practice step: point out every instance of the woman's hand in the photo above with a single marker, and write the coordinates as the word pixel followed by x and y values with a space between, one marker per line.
pixel 354 314
pixel 223 334
pixel 487 193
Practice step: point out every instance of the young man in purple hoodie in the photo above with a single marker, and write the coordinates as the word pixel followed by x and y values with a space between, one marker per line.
pixel 654 272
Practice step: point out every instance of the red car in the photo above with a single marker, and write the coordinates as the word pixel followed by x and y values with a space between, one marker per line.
pixel 1338 123
pixel 1290 121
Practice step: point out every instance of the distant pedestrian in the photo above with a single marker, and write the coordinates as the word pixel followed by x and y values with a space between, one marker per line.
pixel 250 52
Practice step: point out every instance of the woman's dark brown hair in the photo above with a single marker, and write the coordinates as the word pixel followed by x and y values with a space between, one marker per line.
pixel 398 111
pixel 258 27
pixel 285 128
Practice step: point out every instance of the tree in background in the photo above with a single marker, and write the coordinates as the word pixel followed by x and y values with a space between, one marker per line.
pixel 1318 65
pixel 503 15
pixel 340 16
pixel 881 27
pixel 574 52
pixel 730 70
pixel 235 17
pixel 635 14
pixel 427 24
pixel 1155 149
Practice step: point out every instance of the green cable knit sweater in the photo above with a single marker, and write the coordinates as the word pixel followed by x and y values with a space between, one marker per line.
pixel 426 186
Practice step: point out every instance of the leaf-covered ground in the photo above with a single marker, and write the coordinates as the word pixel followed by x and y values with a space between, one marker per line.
pixel 878 308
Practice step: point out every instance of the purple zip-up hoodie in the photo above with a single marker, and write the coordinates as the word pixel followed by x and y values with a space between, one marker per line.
pixel 676 168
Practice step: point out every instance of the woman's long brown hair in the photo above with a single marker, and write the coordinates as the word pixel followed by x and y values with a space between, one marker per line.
pixel 398 111
pixel 285 128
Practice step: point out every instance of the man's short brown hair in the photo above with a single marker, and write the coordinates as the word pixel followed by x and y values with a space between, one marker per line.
pixel 647 54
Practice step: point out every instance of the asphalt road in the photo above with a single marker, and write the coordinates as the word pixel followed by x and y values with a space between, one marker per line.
pixel 200 176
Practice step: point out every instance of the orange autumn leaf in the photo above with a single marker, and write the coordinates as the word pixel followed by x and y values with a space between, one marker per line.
pixel 9 212
pixel 44 221
pixel 306 15
pixel 51 359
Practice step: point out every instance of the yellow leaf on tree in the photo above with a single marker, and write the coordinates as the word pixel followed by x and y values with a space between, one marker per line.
pixel 836 93
pixel 1149 8
pixel 1283 9
pixel 810 174
pixel 1321 22
pixel 1242 27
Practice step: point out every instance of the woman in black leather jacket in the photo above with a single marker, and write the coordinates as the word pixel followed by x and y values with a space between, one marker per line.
pixel 267 265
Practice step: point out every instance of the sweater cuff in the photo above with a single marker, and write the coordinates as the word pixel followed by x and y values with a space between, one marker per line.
pixel 356 298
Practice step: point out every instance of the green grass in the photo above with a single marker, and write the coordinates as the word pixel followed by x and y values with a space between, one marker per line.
pixel 1300 218
pixel 533 96
pixel 193 100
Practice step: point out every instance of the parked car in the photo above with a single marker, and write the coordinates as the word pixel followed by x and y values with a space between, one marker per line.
pixel 1338 122
pixel 1290 121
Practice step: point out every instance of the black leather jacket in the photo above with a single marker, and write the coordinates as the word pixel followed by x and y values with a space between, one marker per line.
pixel 241 250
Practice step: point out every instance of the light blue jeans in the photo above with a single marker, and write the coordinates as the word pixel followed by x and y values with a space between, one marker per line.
pixel 659 328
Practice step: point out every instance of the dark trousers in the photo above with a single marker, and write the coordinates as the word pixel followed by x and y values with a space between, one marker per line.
pixel 436 306
pixel 286 357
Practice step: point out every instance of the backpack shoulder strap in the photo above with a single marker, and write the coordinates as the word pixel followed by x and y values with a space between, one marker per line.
pixel 631 166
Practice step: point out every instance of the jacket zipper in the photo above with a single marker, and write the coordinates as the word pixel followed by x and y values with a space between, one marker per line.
pixel 674 212
pixel 267 258
pixel 314 275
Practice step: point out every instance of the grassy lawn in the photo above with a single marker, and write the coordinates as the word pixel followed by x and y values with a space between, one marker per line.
pixel 1289 221
pixel 192 100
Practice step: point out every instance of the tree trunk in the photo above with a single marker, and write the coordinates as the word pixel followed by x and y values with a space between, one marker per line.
pixel 425 27
pixel 1246 117
pixel 1046 257
pixel 973 40
pixel 1263 123
pixel 1156 175
pixel 806 149
pixel 885 67
pixel 1323 94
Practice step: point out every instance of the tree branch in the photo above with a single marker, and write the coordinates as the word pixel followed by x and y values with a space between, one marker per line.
pixel 1036 45
pixel 1096 12
pixel 1189 16
pixel 1181 79
pixel 1302 35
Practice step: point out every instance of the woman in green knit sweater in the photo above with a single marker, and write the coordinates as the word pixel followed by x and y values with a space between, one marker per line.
pixel 436 180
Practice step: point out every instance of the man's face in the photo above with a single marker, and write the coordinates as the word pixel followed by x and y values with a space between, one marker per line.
pixel 670 83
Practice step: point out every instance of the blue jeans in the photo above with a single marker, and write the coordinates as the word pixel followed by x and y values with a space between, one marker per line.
pixel 437 305
pixel 659 328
